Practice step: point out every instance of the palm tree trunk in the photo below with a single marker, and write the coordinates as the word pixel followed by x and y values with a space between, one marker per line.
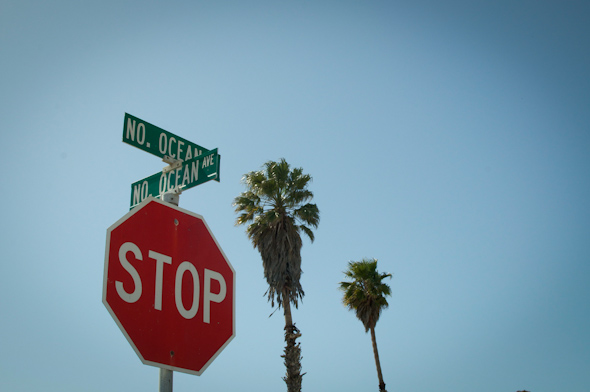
pixel 287 311
pixel 377 363
pixel 292 354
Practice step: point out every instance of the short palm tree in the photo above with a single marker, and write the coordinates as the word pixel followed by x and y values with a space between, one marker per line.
pixel 365 294
pixel 275 207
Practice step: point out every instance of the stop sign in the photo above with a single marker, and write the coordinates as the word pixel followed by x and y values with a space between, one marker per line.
pixel 169 286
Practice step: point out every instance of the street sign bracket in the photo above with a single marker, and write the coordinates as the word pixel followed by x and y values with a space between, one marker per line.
pixel 173 164
pixel 170 160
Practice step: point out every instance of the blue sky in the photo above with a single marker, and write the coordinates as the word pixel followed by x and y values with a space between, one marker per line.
pixel 449 140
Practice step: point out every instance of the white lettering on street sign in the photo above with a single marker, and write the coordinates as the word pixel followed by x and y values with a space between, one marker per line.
pixel 189 174
pixel 157 141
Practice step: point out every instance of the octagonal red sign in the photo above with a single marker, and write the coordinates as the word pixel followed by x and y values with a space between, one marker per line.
pixel 169 286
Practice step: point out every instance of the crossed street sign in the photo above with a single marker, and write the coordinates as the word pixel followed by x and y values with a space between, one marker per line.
pixel 190 164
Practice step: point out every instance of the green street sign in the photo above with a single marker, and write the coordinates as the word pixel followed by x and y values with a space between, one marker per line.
pixel 161 143
pixel 181 176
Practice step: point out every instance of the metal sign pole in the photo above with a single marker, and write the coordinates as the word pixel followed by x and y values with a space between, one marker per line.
pixel 166 380
pixel 166 376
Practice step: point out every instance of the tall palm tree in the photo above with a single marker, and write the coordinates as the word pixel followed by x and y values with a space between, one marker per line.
pixel 365 294
pixel 275 207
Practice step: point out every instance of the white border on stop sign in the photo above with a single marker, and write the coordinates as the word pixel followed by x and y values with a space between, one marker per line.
pixel 104 285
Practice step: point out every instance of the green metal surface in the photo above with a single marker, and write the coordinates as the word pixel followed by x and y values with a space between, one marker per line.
pixel 188 174
pixel 157 141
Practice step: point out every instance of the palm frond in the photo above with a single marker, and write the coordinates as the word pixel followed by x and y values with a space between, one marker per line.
pixel 307 231
pixel 274 207
pixel 308 214
pixel 366 293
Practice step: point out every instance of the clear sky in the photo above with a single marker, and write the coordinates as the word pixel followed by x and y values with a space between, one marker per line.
pixel 449 140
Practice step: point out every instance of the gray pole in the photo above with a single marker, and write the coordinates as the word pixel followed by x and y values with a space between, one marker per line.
pixel 165 374
pixel 166 380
